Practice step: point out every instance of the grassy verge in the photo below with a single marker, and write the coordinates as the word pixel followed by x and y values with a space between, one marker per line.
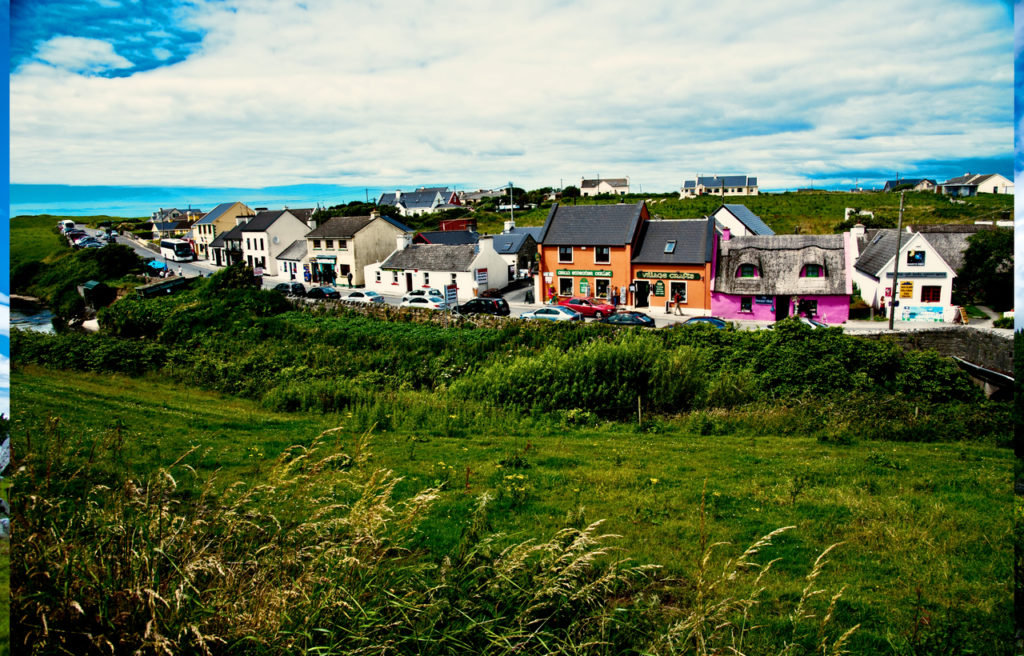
pixel 926 529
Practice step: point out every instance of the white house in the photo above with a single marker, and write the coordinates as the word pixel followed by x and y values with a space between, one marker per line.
pixel 266 235
pixel 614 186
pixel 472 268
pixel 972 184
pixel 924 280
pixel 726 185
pixel 740 221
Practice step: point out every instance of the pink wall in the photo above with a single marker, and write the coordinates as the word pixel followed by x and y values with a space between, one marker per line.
pixel 831 309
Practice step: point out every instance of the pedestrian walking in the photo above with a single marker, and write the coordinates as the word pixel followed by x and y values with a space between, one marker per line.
pixel 678 299
pixel 350 280
pixel 180 272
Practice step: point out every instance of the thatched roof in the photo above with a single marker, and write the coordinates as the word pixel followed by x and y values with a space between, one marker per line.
pixel 779 260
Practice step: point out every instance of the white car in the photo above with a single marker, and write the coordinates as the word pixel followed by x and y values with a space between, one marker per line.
pixel 553 313
pixel 429 302
pixel 422 292
pixel 364 297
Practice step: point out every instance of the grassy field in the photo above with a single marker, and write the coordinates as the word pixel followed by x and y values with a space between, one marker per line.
pixel 815 212
pixel 925 530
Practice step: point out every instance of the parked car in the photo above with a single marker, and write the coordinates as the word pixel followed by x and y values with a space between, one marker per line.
pixel 630 318
pixel 812 323
pixel 72 235
pixel 496 306
pixel 717 322
pixel 365 297
pixel 90 242
pixel 422 292
pixel 429 302
pixel 589 307
pixel 291 288
pixel 553 313
pixel 323 292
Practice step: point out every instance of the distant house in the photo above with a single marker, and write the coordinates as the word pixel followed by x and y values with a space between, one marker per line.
pixel 614 186
pixel 727 185
pixel 424 200
pixel 518 247
pixel 219 220
pixel 174 214
pixel 169 229
pixel 473 268
pixel 345 245
pixel 740 221
pixel 290 261
pixel 912 184
pixel 972 184
pixel 770 277
pixel 474 197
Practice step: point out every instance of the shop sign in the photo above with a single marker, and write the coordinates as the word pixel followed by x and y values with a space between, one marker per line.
pixel 907 289
pixel 659 288
pixel 584 287
pixel 451 295
pixel 583 272
pixel 764 300
pixel 668 275
pixel 481 276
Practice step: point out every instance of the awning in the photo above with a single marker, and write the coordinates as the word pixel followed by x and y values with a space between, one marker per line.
pixel 326 258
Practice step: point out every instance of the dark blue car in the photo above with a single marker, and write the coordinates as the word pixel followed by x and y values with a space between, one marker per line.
pixel 705 321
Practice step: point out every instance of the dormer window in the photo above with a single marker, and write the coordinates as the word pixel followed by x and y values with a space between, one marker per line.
pixel 670 246
pixel 813 271
pixel 746 271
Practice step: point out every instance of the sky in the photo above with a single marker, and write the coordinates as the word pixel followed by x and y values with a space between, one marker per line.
pixel 476 94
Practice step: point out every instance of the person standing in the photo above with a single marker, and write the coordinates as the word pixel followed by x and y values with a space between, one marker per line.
pixel 350 280
pixel 678 299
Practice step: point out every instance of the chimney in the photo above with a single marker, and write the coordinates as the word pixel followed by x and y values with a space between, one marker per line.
pixel 509 226
pixel 242 220
pixel 726 234
pixel 398 195
pixel 374 214
pixel 403 241
pixel 858 231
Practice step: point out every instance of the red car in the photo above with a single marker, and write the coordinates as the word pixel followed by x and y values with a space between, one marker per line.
pixel 589 307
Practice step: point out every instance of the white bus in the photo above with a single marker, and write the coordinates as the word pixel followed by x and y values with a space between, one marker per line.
pixel 176 250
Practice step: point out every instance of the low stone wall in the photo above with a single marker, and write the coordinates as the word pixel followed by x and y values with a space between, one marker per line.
pixel 986 348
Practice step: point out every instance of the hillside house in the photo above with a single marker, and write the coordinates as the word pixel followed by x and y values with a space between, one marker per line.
pixel 972 184
pixel 727 185
pixel 911 184
pixel 613 186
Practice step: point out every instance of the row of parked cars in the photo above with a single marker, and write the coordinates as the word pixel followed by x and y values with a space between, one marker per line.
pixel 79 238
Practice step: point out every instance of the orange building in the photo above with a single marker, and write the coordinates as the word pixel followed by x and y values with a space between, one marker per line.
pixel 600 250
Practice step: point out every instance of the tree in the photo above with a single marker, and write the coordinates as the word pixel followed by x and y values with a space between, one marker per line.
pixel 571 192
pixel 987 272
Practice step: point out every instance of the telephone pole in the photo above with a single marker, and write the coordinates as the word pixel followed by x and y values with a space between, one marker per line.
pixel 896 266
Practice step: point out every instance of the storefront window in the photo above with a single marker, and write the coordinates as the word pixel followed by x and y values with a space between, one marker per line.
pixel 565 286
pixel 601 287
pixel 679 287
pixel 747 304
pixel 930 294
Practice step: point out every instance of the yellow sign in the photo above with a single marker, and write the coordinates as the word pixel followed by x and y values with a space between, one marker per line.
pixel 907 289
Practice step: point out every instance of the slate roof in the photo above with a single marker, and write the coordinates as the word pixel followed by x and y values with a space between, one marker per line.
pixel 591 225
pixel 533 231
pixel 753 222
pixel 723 181
pixel 339 227
pixel 234 234
pixel 876 250
pixel 302 214
pixel 395 222
pixel 615 182
pixel 411 199
pixel 509 243
pixel 694 241
pixel 779 259
pixel 296 251
pixel 950 240
pixel 890 184
pixel 215 213
pixel 432 257
pixel 263 220
pixel 165 226
pixel 450 237
pixel 965 180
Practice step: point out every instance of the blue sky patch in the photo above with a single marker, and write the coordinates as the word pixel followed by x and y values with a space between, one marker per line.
pixel 108 38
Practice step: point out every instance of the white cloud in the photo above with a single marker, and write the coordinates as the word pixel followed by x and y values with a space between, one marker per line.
pixel 5 317
pixel 5 385
pixel 73 53
pixel 487 92
pixel 162 53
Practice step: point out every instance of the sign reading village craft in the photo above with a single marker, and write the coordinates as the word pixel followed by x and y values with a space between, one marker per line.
pixel 668 275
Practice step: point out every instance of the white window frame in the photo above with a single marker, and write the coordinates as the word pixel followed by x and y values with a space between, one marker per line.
pixel 597 249
pixel 560 260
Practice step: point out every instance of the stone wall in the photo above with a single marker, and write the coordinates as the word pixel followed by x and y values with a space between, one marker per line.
pixel 986 348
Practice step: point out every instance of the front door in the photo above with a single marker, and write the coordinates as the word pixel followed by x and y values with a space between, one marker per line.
pixel 408 282
pixel 781 307
pixel 643 290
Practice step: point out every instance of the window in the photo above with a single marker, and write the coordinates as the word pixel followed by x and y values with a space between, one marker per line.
pixel 316 244
pixel 602 254
pixel 670 246
pixel 426 278
pixel 813 271
pixel 746 304
pixel 328 243
pixel 261 243
pixel 565 286
pixel 343 244
pixel 930 294
pixel 747 271
pixel 455 279
pixel 378 275
pixel 394 277
pixel 565 253
pixel 247 246
pixel 677 287
pixel 601 287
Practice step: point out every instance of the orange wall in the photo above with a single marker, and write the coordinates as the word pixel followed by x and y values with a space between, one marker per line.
pixel 698 292
pixel 618 264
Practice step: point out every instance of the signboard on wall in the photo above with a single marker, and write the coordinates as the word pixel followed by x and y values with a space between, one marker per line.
pixel 659 288
pixel 923 313
pixel 584 287
pixel 764 300
pixel 584 272
pixel 667 275
pixel 481 276
pixel 907 289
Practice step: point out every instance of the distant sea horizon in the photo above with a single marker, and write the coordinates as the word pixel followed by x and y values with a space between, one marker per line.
pixel 142 201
